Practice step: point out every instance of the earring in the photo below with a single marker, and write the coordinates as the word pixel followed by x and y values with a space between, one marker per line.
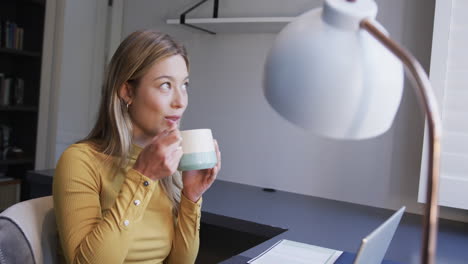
pixel 127 104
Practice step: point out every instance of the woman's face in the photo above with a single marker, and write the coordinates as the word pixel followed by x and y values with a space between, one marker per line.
pixel 159 99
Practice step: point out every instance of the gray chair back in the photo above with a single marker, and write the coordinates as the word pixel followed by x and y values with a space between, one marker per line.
pixel 28 233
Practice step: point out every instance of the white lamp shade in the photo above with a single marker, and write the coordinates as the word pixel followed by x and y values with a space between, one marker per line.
pixel 333 78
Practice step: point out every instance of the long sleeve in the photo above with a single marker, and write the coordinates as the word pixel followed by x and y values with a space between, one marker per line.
pixel 186 238
pixel 87 233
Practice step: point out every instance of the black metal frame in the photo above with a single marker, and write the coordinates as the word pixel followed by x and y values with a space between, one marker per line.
pixel 215 15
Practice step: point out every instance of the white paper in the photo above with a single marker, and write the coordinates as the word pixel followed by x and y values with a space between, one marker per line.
pixel 291 252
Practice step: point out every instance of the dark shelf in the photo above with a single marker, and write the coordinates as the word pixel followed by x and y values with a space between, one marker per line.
pixel 40 3
pixel 18 52
pixel 5 180
pixel 16 161
pixel 19 108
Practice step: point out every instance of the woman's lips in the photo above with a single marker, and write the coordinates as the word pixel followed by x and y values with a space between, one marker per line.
pixel 172 119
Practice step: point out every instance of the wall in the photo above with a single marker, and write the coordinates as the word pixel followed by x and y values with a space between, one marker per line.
pixel 78 38
pixel 81 65
pixel 261 149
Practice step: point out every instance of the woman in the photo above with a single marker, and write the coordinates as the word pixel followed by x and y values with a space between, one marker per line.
pixel 118 197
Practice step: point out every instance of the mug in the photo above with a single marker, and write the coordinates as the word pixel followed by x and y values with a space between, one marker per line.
pixel 199 150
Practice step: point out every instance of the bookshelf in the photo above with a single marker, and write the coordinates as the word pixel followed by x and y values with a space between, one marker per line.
pixel 21 38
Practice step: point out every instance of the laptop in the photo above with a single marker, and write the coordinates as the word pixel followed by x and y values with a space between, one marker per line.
pixel 372 250
pixel 375 245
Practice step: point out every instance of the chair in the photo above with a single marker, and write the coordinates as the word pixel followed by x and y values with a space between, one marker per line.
pixel 28 233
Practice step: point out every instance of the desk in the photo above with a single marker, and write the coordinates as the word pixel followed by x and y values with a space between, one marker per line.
pixel 311 220
pixel 331 224
pixel 321 222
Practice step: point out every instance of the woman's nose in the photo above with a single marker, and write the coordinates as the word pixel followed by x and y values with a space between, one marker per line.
pixel 179 99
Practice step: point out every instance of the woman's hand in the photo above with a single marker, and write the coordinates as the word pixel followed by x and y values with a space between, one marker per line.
pixel 196 182
pixel 160 158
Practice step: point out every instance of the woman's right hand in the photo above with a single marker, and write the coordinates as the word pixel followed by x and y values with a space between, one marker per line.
pixel 160 158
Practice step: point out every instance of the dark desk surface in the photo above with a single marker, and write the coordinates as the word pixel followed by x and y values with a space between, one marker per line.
pixel 327 223
pixel 331 224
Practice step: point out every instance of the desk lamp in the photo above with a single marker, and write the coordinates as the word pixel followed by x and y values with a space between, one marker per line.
pixel 335 72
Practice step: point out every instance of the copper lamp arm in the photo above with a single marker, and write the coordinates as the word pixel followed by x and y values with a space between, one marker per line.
pixel 428 102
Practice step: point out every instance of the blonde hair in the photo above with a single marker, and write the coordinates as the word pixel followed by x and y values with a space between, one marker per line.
pixel 112 133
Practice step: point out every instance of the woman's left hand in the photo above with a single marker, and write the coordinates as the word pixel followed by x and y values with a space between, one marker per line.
pixel 196 182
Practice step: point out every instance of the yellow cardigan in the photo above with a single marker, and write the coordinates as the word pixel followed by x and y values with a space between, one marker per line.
pixel 111 215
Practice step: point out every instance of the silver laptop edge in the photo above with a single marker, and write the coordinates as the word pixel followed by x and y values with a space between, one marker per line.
pixel 375 245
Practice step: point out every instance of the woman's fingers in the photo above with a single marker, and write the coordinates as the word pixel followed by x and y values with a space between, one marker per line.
pixel 162 156
pixel 218 155
pixel 210 174
pixel 196 182
pixel 165 132
pixel 217 167
pixel 171 139
pixel 175 158
pixel 168 142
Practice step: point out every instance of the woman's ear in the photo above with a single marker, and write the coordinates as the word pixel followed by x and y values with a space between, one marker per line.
pixel 126 93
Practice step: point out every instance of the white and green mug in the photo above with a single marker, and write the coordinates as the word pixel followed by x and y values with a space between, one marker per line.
pixel 199 150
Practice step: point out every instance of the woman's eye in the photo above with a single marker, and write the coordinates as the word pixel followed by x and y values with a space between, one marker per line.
pixel 165 86
pixel 185 86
